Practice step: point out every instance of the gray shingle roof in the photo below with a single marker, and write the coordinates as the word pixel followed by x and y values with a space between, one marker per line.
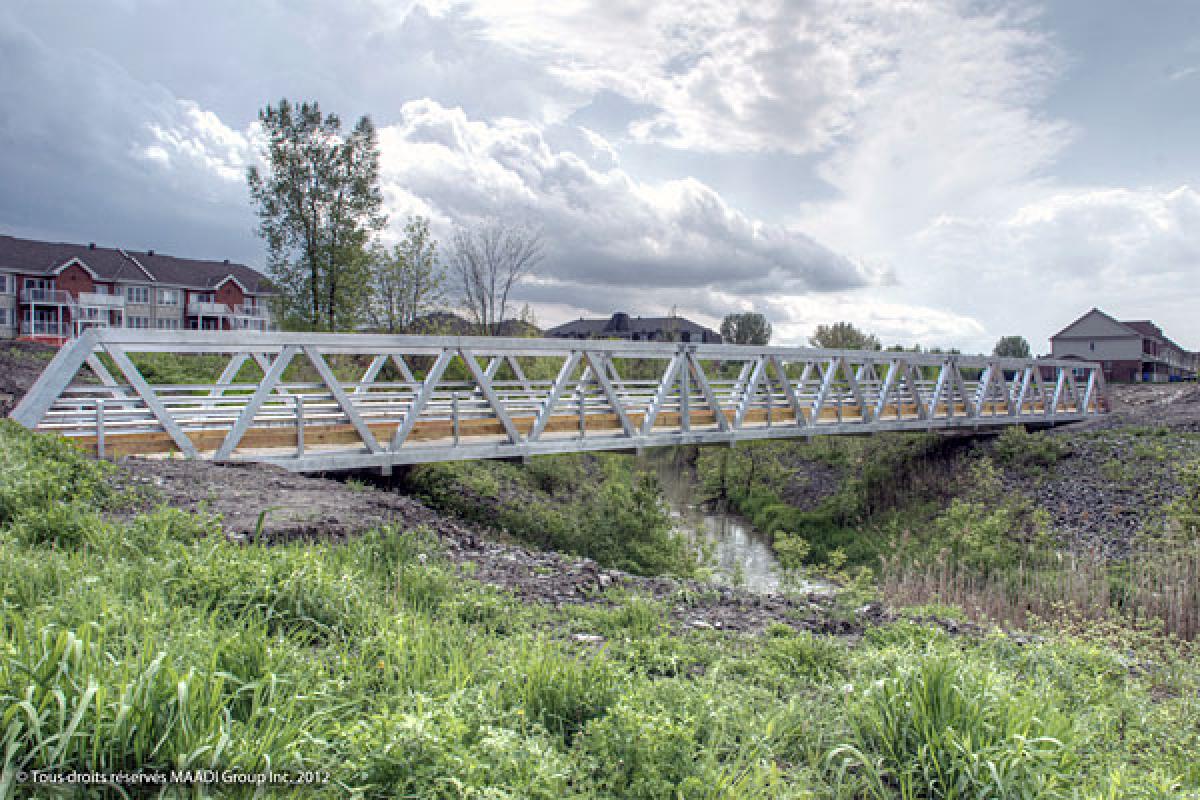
pixel 623 325
pixel 114 264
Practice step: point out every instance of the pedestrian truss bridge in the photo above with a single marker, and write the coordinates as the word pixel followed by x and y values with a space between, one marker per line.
pixel 313 402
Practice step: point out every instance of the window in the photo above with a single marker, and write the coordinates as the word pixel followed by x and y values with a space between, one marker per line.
pixel 204 297
pixel 4 319
pixel 167 324
pixel 137 322
pixel 6 283
pixel 168 297
pixel 39 283
pixel 137 295
pixel 1091 345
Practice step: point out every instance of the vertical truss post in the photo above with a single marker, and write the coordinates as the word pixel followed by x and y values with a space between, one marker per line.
pixel 299 424
pixel 100 428
pixel 685 394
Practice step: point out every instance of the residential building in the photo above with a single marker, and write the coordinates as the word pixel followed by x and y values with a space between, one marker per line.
pixel 1128 350
pixel 53 291
pixel 636 329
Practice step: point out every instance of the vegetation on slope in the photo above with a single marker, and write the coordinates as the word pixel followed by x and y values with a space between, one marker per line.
pixel 153 643
pixel 596 505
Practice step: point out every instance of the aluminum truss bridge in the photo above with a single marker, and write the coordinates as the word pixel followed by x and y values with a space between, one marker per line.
pixel 315 402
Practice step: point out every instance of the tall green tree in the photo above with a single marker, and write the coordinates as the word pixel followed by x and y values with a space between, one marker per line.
pixel 319 205
pixel 407 282
pixel 748 327
pixel 843 336
pixel 1012 347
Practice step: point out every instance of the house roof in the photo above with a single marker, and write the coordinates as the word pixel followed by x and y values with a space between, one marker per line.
pixel 1095 312
pixel 1143 328
pixel 113 264
pixel 621 323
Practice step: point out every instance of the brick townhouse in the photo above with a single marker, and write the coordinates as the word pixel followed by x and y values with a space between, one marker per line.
pixel 52 291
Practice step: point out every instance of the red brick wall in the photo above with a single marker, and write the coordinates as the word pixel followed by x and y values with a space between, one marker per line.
pixel 1124 371
pixel 75 279
pixel 232 296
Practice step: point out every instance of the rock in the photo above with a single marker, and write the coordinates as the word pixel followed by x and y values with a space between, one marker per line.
pixel 587 638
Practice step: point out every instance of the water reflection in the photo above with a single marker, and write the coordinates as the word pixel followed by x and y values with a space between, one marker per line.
pixel 740 553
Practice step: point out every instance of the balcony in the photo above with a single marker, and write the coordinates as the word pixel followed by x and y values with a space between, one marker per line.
pixel 43 328
pixel 54 296
pixel 202 308
pixel 252 311
pixel 93 300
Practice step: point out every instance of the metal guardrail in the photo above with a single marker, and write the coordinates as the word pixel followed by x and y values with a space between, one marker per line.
pixel 414 399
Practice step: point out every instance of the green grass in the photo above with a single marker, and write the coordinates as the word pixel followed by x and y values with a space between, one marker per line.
pixel 153 643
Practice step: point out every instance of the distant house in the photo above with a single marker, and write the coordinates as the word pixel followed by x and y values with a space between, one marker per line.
pixel 636 329
pixel 1128 350
pixel 53 291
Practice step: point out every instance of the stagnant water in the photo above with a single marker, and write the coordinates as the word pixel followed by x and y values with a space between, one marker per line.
pixel 740 553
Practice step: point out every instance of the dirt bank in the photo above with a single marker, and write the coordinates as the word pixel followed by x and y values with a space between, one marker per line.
pixel 280 506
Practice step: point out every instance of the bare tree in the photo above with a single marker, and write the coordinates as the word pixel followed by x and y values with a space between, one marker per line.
pixel 485 262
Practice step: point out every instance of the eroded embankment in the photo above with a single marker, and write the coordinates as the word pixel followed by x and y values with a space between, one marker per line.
pixel 256 501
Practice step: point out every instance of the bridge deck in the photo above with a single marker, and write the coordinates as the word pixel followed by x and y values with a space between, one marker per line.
pixel 319 401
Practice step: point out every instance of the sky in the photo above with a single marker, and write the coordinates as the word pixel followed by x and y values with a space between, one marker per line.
pixel 939 172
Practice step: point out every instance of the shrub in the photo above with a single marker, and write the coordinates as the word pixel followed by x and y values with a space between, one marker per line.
pixel 1017 447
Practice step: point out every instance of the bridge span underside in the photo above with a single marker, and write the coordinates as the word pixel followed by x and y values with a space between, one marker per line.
pixel 314 402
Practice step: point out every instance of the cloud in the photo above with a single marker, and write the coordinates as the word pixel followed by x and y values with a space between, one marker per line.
pixel 1134 252
pixel 89 153
pixel 603 228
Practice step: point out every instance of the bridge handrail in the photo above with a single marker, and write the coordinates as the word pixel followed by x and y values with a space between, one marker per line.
pixel 698 393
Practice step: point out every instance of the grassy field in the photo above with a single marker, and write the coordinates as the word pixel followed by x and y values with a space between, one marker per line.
pixel 151 643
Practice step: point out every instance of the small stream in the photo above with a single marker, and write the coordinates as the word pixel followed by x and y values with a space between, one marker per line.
pixel 740 554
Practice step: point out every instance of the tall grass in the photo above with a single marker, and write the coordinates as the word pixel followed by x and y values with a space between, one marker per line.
pixel 153 643
pixel 943 732
pixel 1157 585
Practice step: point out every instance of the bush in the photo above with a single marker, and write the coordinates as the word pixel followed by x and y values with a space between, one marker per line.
pixel 1017 447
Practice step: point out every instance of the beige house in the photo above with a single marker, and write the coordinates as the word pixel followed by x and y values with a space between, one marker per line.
pixel 1128 350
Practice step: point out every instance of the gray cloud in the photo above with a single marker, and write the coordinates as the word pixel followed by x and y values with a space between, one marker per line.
pixel 603 227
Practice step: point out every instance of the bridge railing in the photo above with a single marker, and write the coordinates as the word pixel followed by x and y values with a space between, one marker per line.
pixel 331 401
